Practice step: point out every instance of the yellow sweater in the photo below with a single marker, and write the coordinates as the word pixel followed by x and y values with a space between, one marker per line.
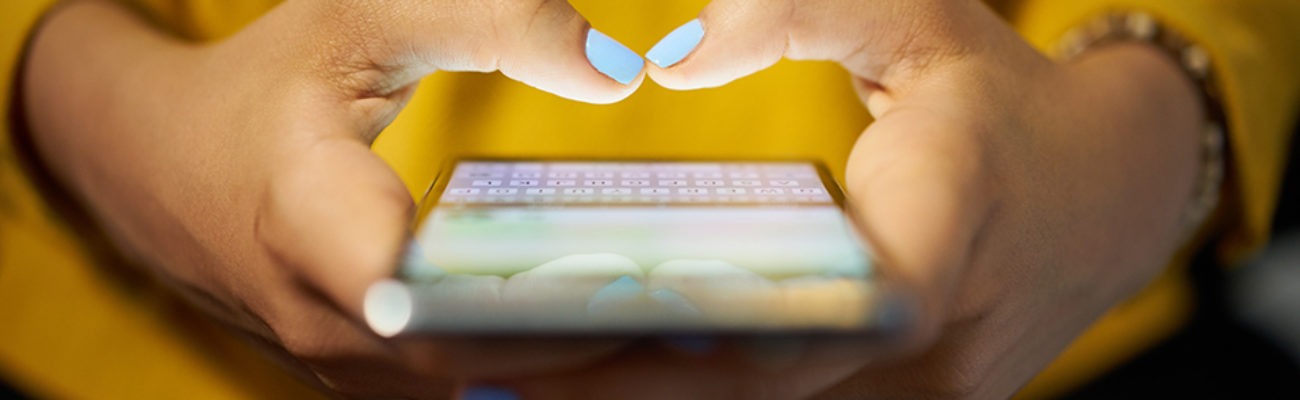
pixel 69 328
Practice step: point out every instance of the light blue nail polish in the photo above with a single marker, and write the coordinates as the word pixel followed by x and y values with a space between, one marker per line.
pixel 675 302
pixel 489 393
pixel 415 264
pixel 622 290
pixel 677 45
pixel 893 316
pixel 613 58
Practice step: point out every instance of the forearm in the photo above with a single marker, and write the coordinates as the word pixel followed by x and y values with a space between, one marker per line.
pixel 95 70
pixel 106 99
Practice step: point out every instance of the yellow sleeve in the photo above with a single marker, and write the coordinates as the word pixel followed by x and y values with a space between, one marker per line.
pixel 17 19
pixel 1254 46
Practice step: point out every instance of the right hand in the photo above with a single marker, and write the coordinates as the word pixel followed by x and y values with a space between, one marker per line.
pixel 240 171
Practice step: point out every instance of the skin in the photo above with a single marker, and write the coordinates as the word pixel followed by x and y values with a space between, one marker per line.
pixel 1019 197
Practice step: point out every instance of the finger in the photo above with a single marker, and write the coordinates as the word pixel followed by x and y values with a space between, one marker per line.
pixel 337 215
pixel 876 40
pixel 556 50
pixel 715 290
pixel 571 286
pixel 557 293
pixel 726 296
pixel 564 294
pixel 313 337
pixel 543 43
pixel 917 182
pixel 744 368
pixel 492 357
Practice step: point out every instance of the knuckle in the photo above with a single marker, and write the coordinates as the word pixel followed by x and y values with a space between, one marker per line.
pixel 514 22
pixel 964 382
pixel 350 53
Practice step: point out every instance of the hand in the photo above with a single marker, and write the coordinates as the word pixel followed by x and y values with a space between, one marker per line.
pixel 240 170
pixel 1020 198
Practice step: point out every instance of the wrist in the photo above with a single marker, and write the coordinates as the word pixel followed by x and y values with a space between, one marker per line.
pixel 1196 66
pixel 1164 90
pixel 1144 121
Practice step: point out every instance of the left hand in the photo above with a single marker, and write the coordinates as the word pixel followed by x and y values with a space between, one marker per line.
pixel 1018 197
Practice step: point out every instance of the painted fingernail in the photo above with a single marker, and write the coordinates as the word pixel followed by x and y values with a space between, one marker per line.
pixel 679 43
pixel 489 393
pixel 675 302
pixel 613 58
pixel 416 264
pixel 893 315
pixel 620 291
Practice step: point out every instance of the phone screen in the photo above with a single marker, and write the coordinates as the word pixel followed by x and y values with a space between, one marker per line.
pixel 608 246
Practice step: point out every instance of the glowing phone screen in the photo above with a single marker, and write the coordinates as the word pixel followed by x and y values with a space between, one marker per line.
pixel 609 246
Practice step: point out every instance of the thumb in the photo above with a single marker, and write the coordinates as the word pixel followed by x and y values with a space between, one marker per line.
pixel 883 41
pixel 337 216
pixel 542 43
pixel 920 189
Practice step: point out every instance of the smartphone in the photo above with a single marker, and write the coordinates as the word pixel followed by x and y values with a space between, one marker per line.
pixel 633 246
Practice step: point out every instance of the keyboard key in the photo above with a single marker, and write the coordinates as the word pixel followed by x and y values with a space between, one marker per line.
pixel 791 175
pixel 644 183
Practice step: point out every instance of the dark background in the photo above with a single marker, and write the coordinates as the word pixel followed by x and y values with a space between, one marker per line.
pixel 1244 342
